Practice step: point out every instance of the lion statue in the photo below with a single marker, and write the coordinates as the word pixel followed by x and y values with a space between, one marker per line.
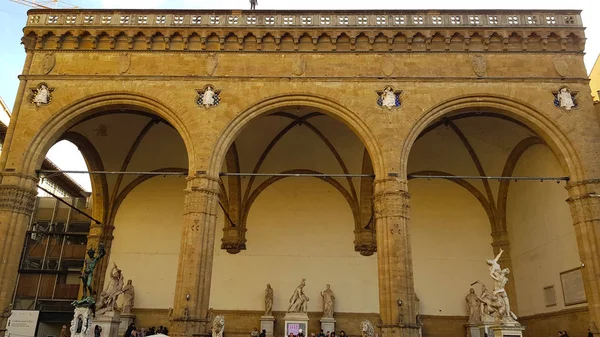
pixel 218 325
pixel 366 329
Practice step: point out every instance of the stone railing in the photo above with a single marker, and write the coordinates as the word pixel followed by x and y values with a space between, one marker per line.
pixel 302 19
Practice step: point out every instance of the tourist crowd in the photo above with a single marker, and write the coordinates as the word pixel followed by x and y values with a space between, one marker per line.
pixel 132 331
pixel 300 333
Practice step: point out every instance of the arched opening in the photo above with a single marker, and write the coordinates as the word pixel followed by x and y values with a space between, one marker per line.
pixel 279 228
pixel 459 222
pixel 139 162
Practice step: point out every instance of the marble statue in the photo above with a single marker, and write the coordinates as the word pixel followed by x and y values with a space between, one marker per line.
pixel 299 300
pixel 565 98
pixel 495 305
pixel 88 271
pixel 366 329
pixel 388 98
pixel 473 307
pixel 128 297
pixel 328 299
pixel 108 298
pixel 269 301
pixel 42 96
pixel 253 4
pixel 218 326
pixel 208 98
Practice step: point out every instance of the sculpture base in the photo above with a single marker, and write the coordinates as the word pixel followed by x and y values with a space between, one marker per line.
pixel 327 324
pixel 109 322
pixel 472 330
pixel 506 331
pixel 126 319
pixel 294 322
pixel 81 325
pixel 502 329
pixel 267 323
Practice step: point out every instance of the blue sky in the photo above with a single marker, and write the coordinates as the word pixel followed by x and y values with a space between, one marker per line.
pixel 13 18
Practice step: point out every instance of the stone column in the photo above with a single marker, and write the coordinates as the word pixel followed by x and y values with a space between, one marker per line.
pixel 397 305
pixel 584 201
pixel 16 207
pixel 192 289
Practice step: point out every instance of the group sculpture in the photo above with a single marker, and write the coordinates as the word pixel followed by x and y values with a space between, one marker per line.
pixel 107 300
pixel 494 306
pixel 298 302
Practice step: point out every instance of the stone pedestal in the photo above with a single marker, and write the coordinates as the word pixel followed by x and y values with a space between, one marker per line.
pixel 267 323
pixel 295 322
pixel 327 324
pixel 81 325
pixel 472 330
pixel 109 322
pixel 506 331
pixel 126 319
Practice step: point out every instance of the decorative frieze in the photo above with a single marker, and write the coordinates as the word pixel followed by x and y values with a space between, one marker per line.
pixel 322 31
pixel 17 199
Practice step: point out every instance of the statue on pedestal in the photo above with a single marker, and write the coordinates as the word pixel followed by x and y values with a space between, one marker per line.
pixel 495 306
pixel 269 301
pixel 128 297
pixel 87 276
pixel 328 299
pixel 299 300
pixel 108 298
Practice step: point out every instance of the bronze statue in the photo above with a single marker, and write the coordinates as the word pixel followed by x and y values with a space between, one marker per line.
pixel 253 4
pixel 88 272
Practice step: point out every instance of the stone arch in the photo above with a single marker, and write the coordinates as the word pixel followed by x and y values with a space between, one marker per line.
pixel 93 161
pixel 71 114
pixel 501 105
pixel 321 104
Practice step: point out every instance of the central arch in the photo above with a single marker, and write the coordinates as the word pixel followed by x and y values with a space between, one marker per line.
pixel 320 104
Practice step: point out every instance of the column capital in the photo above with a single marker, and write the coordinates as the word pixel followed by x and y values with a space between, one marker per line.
pixel 391 198
pixel 391 185
pixel 17 199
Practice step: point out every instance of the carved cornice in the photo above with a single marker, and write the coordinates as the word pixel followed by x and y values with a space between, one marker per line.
pixel 323 31
pixel 17 199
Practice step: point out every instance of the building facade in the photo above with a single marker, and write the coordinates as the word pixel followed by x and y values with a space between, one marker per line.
pixel 216 110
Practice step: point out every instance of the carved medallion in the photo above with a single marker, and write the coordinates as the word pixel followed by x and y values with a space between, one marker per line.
pixel 387 65
pixel 40 95
pixel 212 62
pixel 124 63
pixel 479 65
pixel 208 96
pixel 48 63
pixel 389 98
pixel 562 67
pixel 299 66
pixel 565 99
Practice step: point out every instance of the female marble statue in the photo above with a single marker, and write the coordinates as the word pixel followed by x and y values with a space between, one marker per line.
pixel 269 301
pixel 328 299
pixel 128 297
pixel 388 98
pixel 473 309
pixel 208 98
pixel 42 96
pixel 565 99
